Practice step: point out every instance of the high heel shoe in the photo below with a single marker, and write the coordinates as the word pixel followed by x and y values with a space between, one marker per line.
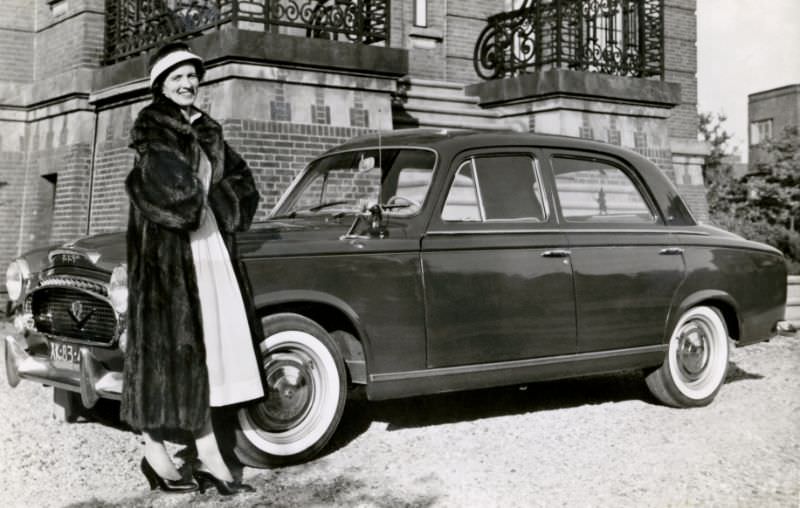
pixel 226 488
pixel 157 481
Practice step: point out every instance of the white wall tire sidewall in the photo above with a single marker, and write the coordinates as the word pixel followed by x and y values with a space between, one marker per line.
pixel 323 407
pixel 711 381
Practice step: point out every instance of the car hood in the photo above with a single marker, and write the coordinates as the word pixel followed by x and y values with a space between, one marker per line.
pixel 104 251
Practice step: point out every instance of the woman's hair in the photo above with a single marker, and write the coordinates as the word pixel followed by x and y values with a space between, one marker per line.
pixel 162 52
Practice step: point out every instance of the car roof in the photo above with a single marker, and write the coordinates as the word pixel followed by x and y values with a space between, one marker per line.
pixel 457 140
pixel 450 142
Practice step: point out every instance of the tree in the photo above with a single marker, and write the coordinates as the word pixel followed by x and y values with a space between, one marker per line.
pixel 774 190
pixel 724 192
pixel 762 206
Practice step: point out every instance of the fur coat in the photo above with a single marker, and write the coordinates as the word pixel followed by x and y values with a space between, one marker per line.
pixel 165 377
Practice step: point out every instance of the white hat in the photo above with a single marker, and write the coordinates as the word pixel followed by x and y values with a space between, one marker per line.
pixel 172 59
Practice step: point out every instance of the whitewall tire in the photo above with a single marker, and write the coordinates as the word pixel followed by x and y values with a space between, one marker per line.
pixel 696 362
pixel 306 392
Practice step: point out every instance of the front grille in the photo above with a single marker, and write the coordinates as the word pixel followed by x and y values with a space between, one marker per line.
pixel 73 308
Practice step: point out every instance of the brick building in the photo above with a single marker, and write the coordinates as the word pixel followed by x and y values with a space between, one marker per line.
pixel 769 112
pixel 287 85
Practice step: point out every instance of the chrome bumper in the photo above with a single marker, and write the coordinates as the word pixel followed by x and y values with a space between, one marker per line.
pixel 92 380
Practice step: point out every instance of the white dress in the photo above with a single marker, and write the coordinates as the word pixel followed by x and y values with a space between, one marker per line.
pixel 233 374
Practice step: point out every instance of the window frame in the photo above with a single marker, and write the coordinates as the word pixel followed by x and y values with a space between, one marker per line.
pixel 634 177
pixel 756 131
pixel 537 173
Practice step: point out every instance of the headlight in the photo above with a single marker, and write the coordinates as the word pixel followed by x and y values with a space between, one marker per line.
pixel 118 288
pixel 17 276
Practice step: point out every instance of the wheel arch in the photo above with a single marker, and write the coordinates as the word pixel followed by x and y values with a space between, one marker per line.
pixel 332 314
pixel 723 302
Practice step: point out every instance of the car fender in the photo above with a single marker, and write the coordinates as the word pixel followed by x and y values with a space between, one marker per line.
pixel 730 314
pixel 302 296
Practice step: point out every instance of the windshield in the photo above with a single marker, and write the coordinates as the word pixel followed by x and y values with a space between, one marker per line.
pixel 349 182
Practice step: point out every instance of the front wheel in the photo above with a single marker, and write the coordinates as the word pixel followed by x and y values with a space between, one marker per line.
pixel 306 391
pixel 696 362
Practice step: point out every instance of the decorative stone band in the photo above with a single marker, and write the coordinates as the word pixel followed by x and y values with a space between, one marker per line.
pixel 170 60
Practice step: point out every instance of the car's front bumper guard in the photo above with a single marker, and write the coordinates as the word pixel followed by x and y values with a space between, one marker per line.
pixel 92 381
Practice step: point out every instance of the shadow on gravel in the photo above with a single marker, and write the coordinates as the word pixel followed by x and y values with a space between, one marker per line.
pixel 735 373
pixel 279 490
pixel 475 405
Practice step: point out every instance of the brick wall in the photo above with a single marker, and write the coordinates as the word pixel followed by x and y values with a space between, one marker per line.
pixel 63 218
pixel 275 152
pixel 12 169
pixel 17 15
pixel 16 40
pixel 680 37
pixel 74 42
pixel 462 34
pixel 442 50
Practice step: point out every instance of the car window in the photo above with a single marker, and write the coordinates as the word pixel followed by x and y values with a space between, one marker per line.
pixel 596 191
pixel 462 200
pixel 397 178
pixel 496 188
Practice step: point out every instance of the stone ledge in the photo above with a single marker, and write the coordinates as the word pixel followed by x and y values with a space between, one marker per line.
pixel 566 83
pixel 234 45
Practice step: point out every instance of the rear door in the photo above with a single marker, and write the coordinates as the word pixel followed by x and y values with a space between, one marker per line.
pixel 626 263
pixel 496 271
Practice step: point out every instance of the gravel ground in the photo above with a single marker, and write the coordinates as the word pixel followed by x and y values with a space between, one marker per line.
pixel 598 441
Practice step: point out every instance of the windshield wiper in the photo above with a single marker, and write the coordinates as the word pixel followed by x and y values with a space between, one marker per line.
pixel 315 208
pixel 325 205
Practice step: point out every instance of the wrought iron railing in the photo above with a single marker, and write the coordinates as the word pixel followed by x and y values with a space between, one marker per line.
pixel 621 37
pixel 136 26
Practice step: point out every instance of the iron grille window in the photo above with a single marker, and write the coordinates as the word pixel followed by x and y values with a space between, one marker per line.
pixel 136 26
pixel 621 37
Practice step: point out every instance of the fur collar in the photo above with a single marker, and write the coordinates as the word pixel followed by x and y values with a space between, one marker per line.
pixel 162 124
pixel 164 115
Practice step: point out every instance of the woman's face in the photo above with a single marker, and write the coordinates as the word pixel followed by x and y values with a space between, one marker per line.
pixel 181 85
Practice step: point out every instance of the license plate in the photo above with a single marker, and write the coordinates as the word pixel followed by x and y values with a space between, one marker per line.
pixel 65 356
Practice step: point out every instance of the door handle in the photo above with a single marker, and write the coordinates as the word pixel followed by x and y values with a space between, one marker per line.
pixel 556 253
pixel 671 251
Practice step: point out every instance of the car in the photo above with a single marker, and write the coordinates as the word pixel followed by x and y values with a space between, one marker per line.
pixel 424 261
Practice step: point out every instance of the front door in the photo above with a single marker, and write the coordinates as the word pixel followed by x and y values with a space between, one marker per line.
pixel 497 275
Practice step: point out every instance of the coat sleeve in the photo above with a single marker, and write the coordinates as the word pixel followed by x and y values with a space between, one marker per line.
pixel 234 198
pixel 163 187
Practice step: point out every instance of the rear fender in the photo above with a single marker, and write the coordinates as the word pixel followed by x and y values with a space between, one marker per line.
pixel 720 300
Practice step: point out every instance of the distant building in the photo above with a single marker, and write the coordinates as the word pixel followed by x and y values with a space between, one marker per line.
pixel 768 113
pixel 289 79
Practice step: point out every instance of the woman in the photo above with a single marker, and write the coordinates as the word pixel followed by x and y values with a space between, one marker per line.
pixel 189 341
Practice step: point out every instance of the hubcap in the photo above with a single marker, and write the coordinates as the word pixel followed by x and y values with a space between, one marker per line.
pixel 693 350
pixel 290 391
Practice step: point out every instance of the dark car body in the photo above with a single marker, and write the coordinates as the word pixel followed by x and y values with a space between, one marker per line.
pixel 468 284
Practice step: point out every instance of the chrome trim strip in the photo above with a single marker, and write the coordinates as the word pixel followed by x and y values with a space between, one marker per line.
pixel 516 364
pixel 491 232
pixel 450 232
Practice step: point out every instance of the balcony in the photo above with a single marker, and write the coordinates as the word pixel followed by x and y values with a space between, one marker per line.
pixel 616 37
pixel 134 27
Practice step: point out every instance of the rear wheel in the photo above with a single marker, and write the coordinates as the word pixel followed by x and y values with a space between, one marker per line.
pixel 306 390
pixel 696 362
